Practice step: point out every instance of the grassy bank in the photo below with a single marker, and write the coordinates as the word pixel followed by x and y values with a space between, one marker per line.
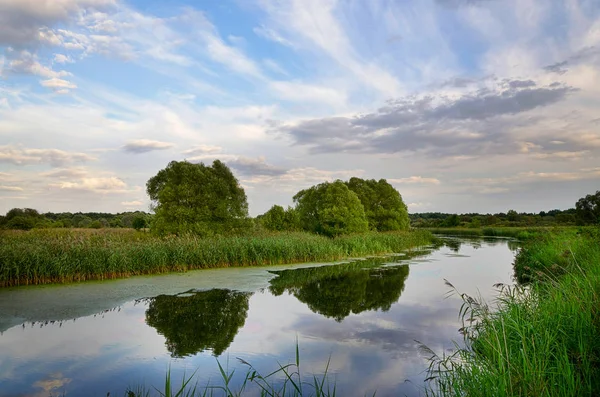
pixel 544 339
pixel 521 233
pixel 60 256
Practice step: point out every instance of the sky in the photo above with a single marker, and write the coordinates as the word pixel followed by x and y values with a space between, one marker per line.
pixel 462 105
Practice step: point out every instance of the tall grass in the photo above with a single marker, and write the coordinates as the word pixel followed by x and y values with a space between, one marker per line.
pixel 521 233
pixel 285 381
pixel 541 339
pixel 59 256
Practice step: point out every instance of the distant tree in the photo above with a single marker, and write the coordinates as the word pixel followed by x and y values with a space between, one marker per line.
pixel 278 219
pixel 383 204
pixel 274 218
pixel 512 216
pixel 139 222
pixel 197 198
pixel 80 220
pixel 451 221
pixel 587 209
pixel 22 218
pixel 95 225
pixel 331 209
pixel 115 222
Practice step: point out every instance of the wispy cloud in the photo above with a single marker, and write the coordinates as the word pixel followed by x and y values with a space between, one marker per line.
pixel 53 157
pixel 146 145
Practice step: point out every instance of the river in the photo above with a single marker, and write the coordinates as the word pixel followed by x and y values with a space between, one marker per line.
pixel 363 317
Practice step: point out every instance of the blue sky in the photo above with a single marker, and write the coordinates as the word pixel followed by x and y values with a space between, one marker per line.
pixel 463 105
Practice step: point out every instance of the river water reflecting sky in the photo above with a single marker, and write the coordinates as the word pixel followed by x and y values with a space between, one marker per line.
pixel 364 317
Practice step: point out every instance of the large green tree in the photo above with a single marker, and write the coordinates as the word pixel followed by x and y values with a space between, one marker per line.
pixel 330 208
pixel 383 204
pixel 587 209
pixel 197 198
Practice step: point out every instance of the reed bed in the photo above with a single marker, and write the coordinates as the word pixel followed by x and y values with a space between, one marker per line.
pixel 61 256
pixel 521 233
pixel 543 338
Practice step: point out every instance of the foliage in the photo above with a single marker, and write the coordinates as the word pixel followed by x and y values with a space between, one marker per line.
pixel 588 209
pixel 199 199
pixel 543 339
pixel 383 204
pixel 63 255
pixel 331 209
pixel 501 219
pixel 139 222
pixel 22 219
pixel 279 220
pixel 336 291
pixel 195 321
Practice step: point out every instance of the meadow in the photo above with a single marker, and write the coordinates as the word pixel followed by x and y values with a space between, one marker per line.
pixel 543 336
pixel 70 255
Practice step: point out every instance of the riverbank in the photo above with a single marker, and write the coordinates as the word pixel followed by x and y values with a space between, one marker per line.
pixel 544 339
pixel 63 256
pixel 521 233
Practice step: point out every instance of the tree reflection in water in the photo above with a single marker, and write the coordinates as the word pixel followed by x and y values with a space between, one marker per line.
pixel 336 291
pixel 196 321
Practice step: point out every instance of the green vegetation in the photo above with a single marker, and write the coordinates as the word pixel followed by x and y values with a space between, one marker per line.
pixel 587 209
pixel 28 218
pixel 544 338
pixel 199 199
pixel 194 321
pixel 521 233
pixel 502 219
pixel 285 381
pixel 63 255
pixel 383 204
pixel 277 219
pixel 331 209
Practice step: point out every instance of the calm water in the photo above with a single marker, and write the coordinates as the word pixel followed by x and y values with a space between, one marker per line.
pixel 90 339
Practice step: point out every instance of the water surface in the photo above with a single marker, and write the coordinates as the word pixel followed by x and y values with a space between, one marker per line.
pixel 363 316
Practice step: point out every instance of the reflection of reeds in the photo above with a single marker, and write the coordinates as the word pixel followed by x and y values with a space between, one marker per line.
pixel 58 256
pixel 543 339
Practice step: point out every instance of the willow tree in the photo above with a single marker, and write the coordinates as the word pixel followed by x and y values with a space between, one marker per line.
pixel 384 207
pixel 330 209
pixel 196 198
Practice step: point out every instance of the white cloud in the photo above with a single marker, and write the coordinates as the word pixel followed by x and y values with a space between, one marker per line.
pixel 134 203
pixel 416 180
pixel 101 185
pixel 271 34
pixel 11 188
pixel 58 84
pixel 61 58
pixel 53 157
pixel 199 150
pixel 146 145
pixel 301 92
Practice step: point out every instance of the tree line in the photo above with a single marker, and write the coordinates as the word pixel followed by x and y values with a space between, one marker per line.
pixel 28 218
pixel 190 198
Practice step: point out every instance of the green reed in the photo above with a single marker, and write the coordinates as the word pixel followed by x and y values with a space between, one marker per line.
pixel 60 256
pixel 542 338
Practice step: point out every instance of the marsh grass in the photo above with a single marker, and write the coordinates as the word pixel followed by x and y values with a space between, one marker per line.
pixel 540 339
pixel 521 233
pixel 61 256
